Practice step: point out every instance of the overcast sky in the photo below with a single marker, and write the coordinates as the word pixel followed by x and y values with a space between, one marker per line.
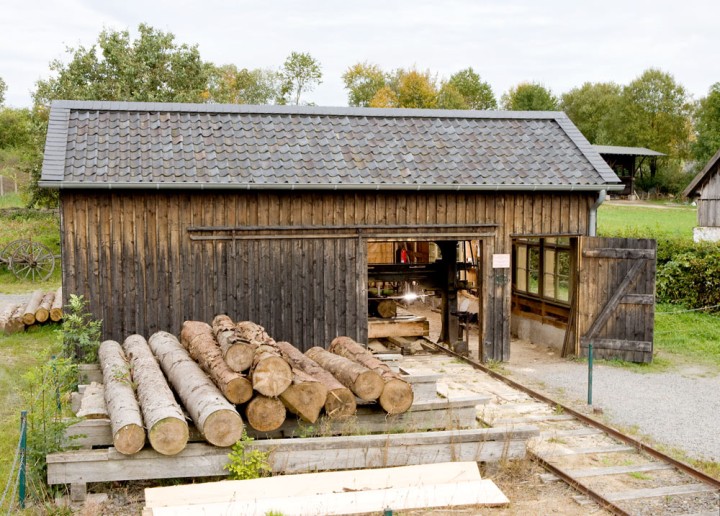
pixel 559 43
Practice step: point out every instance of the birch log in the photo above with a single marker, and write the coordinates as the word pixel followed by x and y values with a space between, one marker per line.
pixel 265 414
pixel 43 312
pixel 339 401
pixel 397 394
pixel 215 418
pixel 167 429
pixel 92 405
pixel 237 352
pixel 270 374
pixel 125 417
pixel 199 340
pixel 31 307
pixel 366 384
pixel 56 310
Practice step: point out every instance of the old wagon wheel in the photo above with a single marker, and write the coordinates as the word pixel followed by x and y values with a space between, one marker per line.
pixel 31 260
pixel 9 250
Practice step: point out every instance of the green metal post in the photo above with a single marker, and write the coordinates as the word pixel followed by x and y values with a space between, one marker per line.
pixel 23 455
pixel 590 365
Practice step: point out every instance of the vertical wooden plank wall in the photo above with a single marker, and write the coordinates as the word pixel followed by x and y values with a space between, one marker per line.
pixel 130 253
pixel 709 201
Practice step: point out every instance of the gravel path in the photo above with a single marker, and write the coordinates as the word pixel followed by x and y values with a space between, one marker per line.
pixel 680 407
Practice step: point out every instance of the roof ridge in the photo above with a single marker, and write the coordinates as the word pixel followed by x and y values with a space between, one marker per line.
pixel 106 105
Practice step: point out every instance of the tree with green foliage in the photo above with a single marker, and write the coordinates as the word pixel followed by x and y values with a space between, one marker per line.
pixel 450 98
pixel 300 73
pixel 655 113
pixel 3 89
pixel 363 81
pixel 228 85
pixel 19 145
pixel 528 96
pixel 707 127
pixel 476 93
pixel 151 68
pixel 593 108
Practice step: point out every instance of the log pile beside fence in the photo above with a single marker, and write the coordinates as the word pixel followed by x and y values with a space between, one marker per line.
pixel 43 307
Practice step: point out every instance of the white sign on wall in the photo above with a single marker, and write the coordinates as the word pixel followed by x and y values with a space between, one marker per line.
pixel 501 261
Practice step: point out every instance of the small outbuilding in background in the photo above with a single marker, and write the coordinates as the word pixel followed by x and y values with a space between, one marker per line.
pixel 705 190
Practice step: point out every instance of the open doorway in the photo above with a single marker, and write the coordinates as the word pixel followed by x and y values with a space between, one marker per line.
pixel 425 290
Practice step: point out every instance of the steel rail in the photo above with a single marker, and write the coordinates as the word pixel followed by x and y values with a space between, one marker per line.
pixel 640 446
pixel 579 486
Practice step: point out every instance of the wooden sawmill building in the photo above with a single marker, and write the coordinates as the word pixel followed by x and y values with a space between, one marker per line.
pixel 172 212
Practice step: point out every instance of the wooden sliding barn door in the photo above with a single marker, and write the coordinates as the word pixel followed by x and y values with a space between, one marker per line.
pixel 616 298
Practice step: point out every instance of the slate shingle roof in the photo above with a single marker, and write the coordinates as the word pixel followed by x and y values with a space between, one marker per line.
pixel 93 144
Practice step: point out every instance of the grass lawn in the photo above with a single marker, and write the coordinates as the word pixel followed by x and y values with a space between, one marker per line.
pixel 11 200
pixel 43 227
pixel 18 354
pixel 651 221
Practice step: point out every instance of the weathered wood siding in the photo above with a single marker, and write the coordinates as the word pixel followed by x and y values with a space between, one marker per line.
pixel 709 201
pixel 617 298
pixel 131 254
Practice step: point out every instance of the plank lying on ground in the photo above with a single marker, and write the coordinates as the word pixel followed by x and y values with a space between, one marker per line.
pixel 311 483
pixel 295 455
pixel 479 492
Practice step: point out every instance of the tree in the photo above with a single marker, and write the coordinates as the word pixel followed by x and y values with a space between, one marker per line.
pixel 707 126
pixel 529 97
pixel 363 81
pixel 20 145
pixel 300 73
pixel 151 68
pixel 656 114
pixel 450 98
pixel 416 89
pixel 3 89
pixel 228 85
pixel 594 108
pixel 384 98
pixel 476 93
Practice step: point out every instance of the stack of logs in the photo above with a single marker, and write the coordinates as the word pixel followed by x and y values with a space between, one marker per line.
pixel 42 307
pixel 221 370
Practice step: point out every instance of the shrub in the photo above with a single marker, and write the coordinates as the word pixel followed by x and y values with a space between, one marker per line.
pixel 691 278
pixel 81 332
pixel 246 464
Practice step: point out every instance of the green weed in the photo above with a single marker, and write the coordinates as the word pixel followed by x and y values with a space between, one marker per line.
pixel 246 464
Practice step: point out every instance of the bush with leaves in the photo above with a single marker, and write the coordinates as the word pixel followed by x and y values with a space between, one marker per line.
pixel 81 332
pixel 691 278
pixel 246 464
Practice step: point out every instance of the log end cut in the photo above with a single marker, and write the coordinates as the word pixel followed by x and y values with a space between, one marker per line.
pixel 397 397
pixel 265 414
pixel 340 403
pixel 239 390
pixel 305 400
pixel 272 376
pixel 369 385
pixel 223 428
pixel 169 436
pixel 129 439
pixel 239 357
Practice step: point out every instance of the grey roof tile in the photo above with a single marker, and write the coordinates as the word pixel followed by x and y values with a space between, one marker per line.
pixel 203 144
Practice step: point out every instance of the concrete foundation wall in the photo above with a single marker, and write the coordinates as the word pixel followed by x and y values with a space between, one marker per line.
pixel 706 234
pixel 537 332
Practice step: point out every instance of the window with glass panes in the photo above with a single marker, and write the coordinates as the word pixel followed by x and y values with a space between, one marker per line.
pixel 542 268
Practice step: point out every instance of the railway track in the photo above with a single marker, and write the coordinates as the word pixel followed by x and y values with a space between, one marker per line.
pixel 606 466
